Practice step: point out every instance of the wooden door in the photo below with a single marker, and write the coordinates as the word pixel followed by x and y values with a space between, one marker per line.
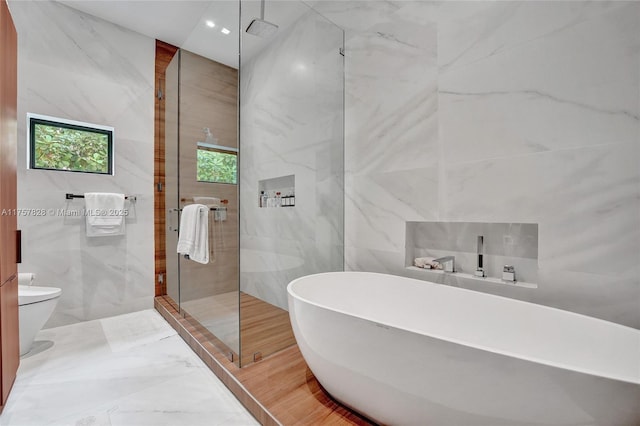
pixel 9 337
pixel 9 334
pixel 8 144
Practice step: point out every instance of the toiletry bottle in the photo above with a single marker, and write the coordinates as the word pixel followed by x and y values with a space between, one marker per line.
pixel 278 200
pixel 262 200
pixel 292 200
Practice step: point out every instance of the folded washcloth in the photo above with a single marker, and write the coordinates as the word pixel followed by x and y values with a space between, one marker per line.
pixel 104 213
pixel 207 201
pixel 426 263
pixel 193 239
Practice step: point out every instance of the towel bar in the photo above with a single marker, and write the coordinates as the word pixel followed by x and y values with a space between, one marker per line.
pixel 190 199
pixel 213 209
pixel 68 196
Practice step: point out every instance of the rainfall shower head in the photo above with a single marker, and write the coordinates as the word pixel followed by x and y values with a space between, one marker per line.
pixel 261 28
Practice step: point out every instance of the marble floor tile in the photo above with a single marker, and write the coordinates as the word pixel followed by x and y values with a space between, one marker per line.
pixel 127 370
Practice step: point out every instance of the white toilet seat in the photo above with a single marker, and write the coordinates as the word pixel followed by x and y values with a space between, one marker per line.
pixel 28 294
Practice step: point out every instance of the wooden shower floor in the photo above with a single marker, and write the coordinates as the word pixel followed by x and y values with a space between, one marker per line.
pixel 265 328
pixel 280 389
pixel 285 385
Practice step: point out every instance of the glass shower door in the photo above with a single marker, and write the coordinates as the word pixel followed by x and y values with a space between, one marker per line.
pixel 292 169
pixel 201 167
pixel 208 175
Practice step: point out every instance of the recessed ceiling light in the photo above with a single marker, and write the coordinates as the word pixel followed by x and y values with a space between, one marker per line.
pixel 210 24
pixel 225 31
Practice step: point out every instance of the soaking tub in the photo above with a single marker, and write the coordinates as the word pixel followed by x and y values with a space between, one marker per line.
pixel 410 352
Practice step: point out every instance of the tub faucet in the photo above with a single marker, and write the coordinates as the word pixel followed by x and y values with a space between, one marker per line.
pixel 448 263
pixel 480 271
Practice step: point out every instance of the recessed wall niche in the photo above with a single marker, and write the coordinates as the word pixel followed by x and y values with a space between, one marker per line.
pixel 513 244
pixel 277 192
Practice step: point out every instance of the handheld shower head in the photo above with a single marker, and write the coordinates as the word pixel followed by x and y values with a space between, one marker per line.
pixel 261 28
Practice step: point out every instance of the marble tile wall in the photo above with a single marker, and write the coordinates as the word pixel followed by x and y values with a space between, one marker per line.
pixel 291 123
pixel 75 66
pixel 512 111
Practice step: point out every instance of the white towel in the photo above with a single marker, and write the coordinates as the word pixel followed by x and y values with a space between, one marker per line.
pixel 193 239
pixel 426 263
pixel 104 213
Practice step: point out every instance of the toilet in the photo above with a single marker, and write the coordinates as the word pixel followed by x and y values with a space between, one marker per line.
pixel 36 304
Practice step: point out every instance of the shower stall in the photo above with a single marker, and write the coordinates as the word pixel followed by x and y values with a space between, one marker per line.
pixel 274 187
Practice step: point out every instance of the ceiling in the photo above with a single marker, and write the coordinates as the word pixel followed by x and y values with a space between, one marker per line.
pixel 183 23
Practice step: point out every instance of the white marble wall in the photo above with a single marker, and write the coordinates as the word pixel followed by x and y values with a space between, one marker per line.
pixel 74 66
pixel 513 111
pixel 291 123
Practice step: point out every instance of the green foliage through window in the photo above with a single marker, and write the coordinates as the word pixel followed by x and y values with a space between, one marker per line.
pixel 70 147
pixel 217 166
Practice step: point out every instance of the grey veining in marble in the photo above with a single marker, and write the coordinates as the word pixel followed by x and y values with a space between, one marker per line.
pixel 131 369
pixel 291 123
pixel 510 111
pixel 78 67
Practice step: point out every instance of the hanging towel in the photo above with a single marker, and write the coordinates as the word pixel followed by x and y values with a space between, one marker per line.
pixel 104 213
pixel 193 239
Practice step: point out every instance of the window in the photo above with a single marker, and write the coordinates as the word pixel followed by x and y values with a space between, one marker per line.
pixel 58 144
pixel 217 164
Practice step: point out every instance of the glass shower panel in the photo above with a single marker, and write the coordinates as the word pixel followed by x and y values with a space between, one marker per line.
pixel 292 168
pixel 208 140
pixel 170 190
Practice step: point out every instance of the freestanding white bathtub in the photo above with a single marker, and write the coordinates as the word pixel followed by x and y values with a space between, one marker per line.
pixel 410 352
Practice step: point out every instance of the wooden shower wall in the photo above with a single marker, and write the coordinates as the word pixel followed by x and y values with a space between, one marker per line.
pixel 164 54
pixel 208 98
